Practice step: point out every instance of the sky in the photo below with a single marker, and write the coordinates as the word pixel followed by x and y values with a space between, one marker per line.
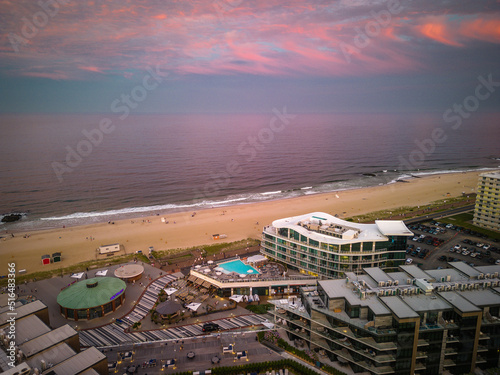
pixel 230 56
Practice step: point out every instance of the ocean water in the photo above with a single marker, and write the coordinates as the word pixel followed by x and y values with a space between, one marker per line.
pixel 61 170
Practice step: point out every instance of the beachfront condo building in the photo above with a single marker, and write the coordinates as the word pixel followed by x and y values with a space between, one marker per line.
pixel 405 322
pixel 487 210
pixel 322 245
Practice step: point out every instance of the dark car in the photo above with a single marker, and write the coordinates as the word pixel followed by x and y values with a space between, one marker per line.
pixel 210 327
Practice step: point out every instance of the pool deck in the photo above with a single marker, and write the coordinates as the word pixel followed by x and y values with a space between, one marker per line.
pixel 269 275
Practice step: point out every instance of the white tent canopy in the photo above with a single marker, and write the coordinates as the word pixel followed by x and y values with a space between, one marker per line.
pixel 237 298
pixel 256 259
pixel 268 325
pixel 101 273
pixel 170 291
pixel 77 275
pixel 193 306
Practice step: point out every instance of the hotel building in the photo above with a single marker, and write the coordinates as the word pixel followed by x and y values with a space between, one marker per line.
pixel 320 244
pixel 487 210
pixel 406 322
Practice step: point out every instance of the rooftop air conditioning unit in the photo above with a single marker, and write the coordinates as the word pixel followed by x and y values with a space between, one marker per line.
pixel 494 283
pixel 396 282
pixel 476 286
pixel 463 286
pixel 448 288
pixel 488 284
pixel 487 276
pixel 381 283
pixel 470 286
pixel 480 276
pixel 440 288
pixel 442 279
pixel 448 277
pixel 495 274
pixel 409 281
pixel 380 292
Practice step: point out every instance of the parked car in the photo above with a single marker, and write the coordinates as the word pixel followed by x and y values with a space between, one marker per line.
pixel 210 327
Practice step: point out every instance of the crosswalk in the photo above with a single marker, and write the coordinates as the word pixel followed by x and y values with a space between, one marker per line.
pixel 115 334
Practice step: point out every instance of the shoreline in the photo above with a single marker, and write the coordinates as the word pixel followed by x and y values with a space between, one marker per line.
pixel 238 222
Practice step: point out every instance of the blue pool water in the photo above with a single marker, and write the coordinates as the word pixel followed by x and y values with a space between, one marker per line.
pixel 239 267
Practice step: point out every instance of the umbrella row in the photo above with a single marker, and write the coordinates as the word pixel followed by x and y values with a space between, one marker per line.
pixel 114 335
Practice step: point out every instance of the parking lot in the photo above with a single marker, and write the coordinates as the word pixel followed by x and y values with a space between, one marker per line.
pixel 435 244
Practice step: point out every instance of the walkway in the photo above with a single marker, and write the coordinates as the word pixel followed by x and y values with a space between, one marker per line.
pixel 114 334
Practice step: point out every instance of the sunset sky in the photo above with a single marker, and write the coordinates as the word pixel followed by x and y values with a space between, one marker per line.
pixel 247 55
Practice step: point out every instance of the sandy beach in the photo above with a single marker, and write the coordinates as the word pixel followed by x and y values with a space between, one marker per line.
pixel 237 222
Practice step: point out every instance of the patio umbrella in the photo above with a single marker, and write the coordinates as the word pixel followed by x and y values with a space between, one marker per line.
pixel 193 306
pixel 170 291
pixel 237 298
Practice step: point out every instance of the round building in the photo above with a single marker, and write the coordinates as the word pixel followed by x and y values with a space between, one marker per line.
pixel 92 298
pixel 129 272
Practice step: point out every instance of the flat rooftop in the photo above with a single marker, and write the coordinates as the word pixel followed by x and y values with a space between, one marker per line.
pixel 481 297
pixel 47 340
pixel 423 302
pixel 377 274
pixel 28 328
pixel 459 302
pixel 455 276
pixel 415 272
pixel 493 174
pixel 465 269
pixel 399 307
pixel 350 232
pixel 339 289
pixel 79 362
pixel 22 311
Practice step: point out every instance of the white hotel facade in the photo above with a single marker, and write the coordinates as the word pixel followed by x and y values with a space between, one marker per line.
pixel 322 245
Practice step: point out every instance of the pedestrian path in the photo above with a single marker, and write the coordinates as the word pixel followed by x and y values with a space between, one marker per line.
pixel 116 333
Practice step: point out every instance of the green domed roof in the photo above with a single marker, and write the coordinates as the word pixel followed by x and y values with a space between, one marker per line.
pixel 91 293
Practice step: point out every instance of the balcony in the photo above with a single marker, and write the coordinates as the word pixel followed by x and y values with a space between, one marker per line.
pixel 483 336
pixel 480 360
pixel 450 351
pixel 419 366
pixel 421 355
pixel 369 354
pixel 448 363
pixel 451 339
pixel 422 342
pixel 365 364
pixel 369 341
pixel 482 348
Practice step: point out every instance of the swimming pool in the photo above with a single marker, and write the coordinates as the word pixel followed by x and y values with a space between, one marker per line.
pixel 239 267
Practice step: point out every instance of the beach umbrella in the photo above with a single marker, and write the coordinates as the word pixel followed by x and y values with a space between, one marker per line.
pixel 242 275
pixel 210 262
pixel 250 271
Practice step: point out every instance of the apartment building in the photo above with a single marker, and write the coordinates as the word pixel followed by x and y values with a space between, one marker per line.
pixel 322 245
pixel 487 210
pixel 406 322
